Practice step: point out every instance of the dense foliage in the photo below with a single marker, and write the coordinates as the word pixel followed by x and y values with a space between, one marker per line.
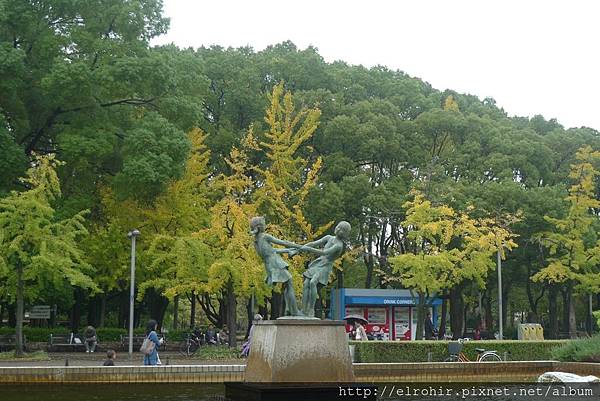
pixel 581 350
pixel 187 144
pixel 421 351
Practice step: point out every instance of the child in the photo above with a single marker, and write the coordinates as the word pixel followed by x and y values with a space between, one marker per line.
pixel 111 355
pixel 276 267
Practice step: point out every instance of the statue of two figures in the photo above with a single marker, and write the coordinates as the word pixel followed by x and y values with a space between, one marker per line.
pixel 328 249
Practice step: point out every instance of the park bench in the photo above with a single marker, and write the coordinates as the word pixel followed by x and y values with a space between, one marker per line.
pixel 138 340
pixel 65 342
pixel 8 342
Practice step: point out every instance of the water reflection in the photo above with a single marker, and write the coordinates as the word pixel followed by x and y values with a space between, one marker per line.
pixel 114 392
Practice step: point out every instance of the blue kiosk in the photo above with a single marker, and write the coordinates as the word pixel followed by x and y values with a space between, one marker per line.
pixel 391 313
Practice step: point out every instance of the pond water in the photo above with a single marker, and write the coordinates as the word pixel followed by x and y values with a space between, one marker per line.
pixel 114 392
pixel 386 392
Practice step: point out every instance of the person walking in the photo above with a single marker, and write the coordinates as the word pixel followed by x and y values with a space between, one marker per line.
pixel 360 332
pixel 430 332
pixel 246 346
pixel 151 358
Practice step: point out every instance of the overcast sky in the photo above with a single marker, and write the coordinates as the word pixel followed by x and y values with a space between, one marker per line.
pixel 532 56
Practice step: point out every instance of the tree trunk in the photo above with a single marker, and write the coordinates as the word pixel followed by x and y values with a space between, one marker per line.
pixel 489 317
pixel 19 312
pixel 231 314
pixel 102 311
pixel 249 314
pixel 589 321
pixel 456 312
pixel 565 311
pixel 339 274
pixel 2 309
pixel 92 311
pixel 276 299
pixel 505 304
pixel 158 305
pixel 369 260
pixel 176 312
pixel 572 316
pixel 465 310
pixel 12 315
pixel 553 311
pixel 420 317
pixel 76 311
pixel 193 311
pixel 443 317
pixel 124 309
pixel 533 316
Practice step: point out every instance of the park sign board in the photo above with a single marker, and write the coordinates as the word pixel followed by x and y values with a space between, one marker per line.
pixel 40 312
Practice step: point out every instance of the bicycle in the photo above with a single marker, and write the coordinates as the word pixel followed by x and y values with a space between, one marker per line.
pixel 190 345
pixel 483 355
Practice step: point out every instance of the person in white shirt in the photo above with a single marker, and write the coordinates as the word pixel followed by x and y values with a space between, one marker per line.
pixel 361 333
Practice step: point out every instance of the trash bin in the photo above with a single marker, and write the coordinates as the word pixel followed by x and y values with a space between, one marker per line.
pixel 539 331
pixel 521 332
pixel 530 331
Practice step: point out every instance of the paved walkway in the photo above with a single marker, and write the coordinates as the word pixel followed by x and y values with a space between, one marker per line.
pixel 97 358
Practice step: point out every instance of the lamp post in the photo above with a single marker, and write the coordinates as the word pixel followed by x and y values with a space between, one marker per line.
pixel 132 234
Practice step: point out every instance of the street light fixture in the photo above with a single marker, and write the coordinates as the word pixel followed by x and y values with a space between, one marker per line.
pixel 132 234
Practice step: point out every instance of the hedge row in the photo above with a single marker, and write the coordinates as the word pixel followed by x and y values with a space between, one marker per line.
pixel 417 351
pixel 583 350
pixel 37 334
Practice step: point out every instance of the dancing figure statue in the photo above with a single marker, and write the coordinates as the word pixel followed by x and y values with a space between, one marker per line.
pixel 276 266
pixel 319 269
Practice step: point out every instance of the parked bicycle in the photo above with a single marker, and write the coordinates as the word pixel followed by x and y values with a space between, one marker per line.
pixel 483 355
pixel 190 345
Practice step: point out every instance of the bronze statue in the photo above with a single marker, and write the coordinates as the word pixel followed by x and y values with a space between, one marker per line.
pixel 319 269
pixel 277 268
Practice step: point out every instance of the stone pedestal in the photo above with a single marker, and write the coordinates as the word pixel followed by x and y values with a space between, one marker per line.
pixel 299 350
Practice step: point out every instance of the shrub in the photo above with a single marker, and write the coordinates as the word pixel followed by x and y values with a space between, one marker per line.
pixel 110 333
pixel 583 350
pixel 218 352
pixel 35 334
pixel 42 334
pixel 417 351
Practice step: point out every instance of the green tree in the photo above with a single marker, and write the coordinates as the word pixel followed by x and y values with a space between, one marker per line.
pixel 34 245
pixel 446 249
pixel 573 242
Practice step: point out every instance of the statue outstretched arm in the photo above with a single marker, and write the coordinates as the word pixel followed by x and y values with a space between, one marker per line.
pixel 278 241
pixel 319 242
pixel 325 252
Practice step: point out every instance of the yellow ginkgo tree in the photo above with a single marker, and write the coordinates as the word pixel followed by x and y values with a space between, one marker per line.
pixel 234 269
pixel 36 246
pixel 167 251
pixel 573 243
pixel 289 173
pixel 445 248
